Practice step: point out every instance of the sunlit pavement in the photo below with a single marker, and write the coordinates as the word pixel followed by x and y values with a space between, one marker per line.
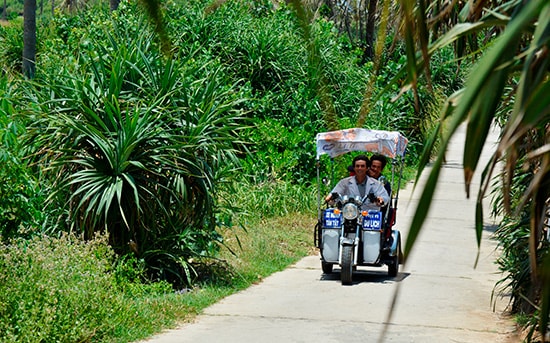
pixel 441 297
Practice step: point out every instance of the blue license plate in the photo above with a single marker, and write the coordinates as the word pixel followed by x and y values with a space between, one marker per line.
pixel 331 220
pixel 373 221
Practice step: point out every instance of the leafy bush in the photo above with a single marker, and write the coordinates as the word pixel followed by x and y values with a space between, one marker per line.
pixel 20 200
pixel 11 40
pixel 269 199
pixel 513 235
pixel 281 153
pixel 20 193
pixel 136 145
pixel 66 290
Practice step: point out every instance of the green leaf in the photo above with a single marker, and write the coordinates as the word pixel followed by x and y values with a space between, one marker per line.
pixel 423 206
pixel 480 122
pixel 545 308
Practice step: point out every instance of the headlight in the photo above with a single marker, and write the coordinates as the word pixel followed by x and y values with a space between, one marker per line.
pixel 350 211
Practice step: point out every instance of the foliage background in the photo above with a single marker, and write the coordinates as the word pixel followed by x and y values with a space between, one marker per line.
pixel 183 160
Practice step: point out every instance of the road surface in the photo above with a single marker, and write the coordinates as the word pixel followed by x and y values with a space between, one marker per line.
pixel 441 297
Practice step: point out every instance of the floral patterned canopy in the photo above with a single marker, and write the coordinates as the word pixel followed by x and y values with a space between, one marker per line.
pixel 336 143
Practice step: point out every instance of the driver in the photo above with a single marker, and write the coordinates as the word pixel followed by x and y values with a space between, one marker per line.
pixel 361 184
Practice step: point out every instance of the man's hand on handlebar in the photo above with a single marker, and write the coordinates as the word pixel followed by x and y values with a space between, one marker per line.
pixel 331 197
pixel 378 201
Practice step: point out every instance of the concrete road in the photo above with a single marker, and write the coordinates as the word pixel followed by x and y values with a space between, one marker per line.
pixel 441 297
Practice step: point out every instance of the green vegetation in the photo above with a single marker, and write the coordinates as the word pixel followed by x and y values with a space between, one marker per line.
pixel 67 290
pixel 12 10
pixel 58 290
pixel 508 85
pixel 172 180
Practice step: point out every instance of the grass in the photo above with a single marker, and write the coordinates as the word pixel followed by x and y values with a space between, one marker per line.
pixel 270 246
pixel 66 290
pixel 62 289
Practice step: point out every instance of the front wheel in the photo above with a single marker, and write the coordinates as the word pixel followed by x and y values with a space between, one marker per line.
pixel 347 265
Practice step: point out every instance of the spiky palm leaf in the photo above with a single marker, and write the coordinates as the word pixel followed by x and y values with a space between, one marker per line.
pixel 522 46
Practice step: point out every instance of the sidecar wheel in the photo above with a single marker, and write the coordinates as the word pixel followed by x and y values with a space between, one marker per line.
pixel 393 266
pixel 327 267
pixel 347 265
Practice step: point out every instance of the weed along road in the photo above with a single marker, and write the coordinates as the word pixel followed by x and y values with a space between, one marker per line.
pixel 441 296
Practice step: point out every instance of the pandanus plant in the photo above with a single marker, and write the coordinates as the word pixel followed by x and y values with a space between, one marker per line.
pixel 136 146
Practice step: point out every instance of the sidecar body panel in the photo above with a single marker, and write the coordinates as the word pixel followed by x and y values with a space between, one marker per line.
pixel 330 235
pixel 371 246
pixel 330 245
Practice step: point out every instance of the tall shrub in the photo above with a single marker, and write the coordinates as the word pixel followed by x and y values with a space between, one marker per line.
pixel 136 145
pixel 20 194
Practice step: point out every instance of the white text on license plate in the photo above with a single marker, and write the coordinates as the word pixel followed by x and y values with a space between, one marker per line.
pixel 373 221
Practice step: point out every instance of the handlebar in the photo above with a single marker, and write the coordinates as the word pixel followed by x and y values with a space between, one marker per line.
pixel 334 196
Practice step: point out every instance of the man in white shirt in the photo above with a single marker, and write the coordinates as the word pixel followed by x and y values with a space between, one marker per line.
pixel 361 185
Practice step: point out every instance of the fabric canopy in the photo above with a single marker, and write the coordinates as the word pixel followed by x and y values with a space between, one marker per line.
pixel 336 143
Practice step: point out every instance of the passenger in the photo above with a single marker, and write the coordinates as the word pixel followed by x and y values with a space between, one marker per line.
pixel 377 165
pixel 362 185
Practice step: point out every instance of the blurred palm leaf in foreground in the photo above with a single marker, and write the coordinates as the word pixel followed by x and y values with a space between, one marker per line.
pixel 512 69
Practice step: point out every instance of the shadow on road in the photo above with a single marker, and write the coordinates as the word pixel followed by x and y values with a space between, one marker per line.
pixel 490 228
pixel 361 276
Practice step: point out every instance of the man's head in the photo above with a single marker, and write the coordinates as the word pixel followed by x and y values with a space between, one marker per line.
pixel 377 164
pixel 360 166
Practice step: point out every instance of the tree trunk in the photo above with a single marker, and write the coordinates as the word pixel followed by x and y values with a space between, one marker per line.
pixel 114 4
pixel 369 30
pixel 29 38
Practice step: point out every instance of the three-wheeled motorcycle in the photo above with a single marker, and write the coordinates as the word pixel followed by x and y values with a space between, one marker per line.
pixel 345 234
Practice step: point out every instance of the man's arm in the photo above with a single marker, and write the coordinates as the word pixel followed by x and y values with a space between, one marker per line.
pixel 381 194
pixel 339 188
